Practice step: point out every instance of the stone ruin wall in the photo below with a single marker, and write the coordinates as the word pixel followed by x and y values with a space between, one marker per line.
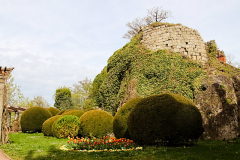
pixel 177 39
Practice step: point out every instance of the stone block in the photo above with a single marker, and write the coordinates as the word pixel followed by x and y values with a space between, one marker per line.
pixel 199 58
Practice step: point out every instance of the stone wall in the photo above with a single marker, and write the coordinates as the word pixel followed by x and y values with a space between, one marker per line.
pixel 177 38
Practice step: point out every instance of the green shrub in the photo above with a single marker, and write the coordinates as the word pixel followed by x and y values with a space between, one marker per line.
pixel 53 110
pixel 66 126
pixel 165 118
pixel 61 112
pixel 120 128
pixel 47 125
pixel 77 113
pixel 96 123
pixel 87 104
pixel 33 118
pixel 89 109
pixel 69 110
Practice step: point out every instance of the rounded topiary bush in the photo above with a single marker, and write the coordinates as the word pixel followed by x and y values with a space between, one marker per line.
pixel 89 109
pixel 53 110
pixel 77 113
pixel 66 126
pixel 165 118
pixel 120 128
pixel 33 118
pixel 61 112
pixel 96 123
pixel 47 125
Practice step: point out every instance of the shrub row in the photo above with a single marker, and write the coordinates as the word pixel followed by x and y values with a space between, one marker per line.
pixel 66 123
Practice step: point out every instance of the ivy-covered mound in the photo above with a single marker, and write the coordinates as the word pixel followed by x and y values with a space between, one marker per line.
pixel 96 123
pixel 53 110
pixel 47 125
pixel 120 128
pixel 77 113
pixel 66 126
pixel 165 118
pixel 155 73
pixel 33 118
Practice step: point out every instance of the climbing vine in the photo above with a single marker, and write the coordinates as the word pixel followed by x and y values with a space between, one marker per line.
pixel 157 72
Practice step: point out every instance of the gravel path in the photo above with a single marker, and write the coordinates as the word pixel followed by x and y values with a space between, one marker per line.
pixel 3 156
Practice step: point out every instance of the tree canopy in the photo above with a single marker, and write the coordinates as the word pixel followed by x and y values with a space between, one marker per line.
pixel 63 98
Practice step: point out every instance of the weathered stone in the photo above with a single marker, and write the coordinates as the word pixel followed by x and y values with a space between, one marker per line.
pixel 179 36
pixel 218 105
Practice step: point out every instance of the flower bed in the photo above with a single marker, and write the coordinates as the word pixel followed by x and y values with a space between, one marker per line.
pixel 100 144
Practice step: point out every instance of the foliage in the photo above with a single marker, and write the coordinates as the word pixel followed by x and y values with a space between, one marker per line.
pixel 88 104
pixel 41 102
pixel 81 90
pixel 216 66
pixel 120 128
pixel 61 112
pixel 96 123
pixel 157 72
pixel 33 118
pixel 14 94
pixel 37 147
pixel 63 99
pixel 100 144
pixel 47 125
pixel 97 82
pixel 156 14
pixel 53 110
pixel 77 113
pixel 165 118
pixel 66 126
pixel 89 109
pixel 211 50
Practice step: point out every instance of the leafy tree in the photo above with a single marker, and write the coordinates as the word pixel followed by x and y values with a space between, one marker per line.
pixel 40 101
pixel 81 91
pixel 63 98
pixel 14 94
pixel 155 14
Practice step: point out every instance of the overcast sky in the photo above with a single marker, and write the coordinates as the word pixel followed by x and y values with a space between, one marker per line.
pixel 55 43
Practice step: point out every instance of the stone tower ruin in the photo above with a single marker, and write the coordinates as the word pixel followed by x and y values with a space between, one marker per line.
pixel 177 39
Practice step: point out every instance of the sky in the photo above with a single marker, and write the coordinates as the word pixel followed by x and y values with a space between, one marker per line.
pixel 56 43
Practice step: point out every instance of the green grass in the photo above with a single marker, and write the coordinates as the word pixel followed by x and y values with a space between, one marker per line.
pixel 37 147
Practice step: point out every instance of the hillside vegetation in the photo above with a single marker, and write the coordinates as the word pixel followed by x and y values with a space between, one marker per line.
pixel 150 73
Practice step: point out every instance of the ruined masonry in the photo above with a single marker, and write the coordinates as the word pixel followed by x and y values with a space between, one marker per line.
pixel 177 38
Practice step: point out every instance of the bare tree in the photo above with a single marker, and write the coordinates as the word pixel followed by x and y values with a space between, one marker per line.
pixel 231 60
pixel 156 14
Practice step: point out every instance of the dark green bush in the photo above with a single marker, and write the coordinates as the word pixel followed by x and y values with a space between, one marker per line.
pixel 165 118
pixel 66 126
pixel 33 118
pixel 96 123
pixel 77 113
pixel 47 125
pixel 120 128
pixel 53 110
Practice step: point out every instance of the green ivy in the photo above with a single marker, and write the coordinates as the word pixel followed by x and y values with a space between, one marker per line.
pixel 157 72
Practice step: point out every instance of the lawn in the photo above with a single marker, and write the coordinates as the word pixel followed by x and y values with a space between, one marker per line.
pixel 37 147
